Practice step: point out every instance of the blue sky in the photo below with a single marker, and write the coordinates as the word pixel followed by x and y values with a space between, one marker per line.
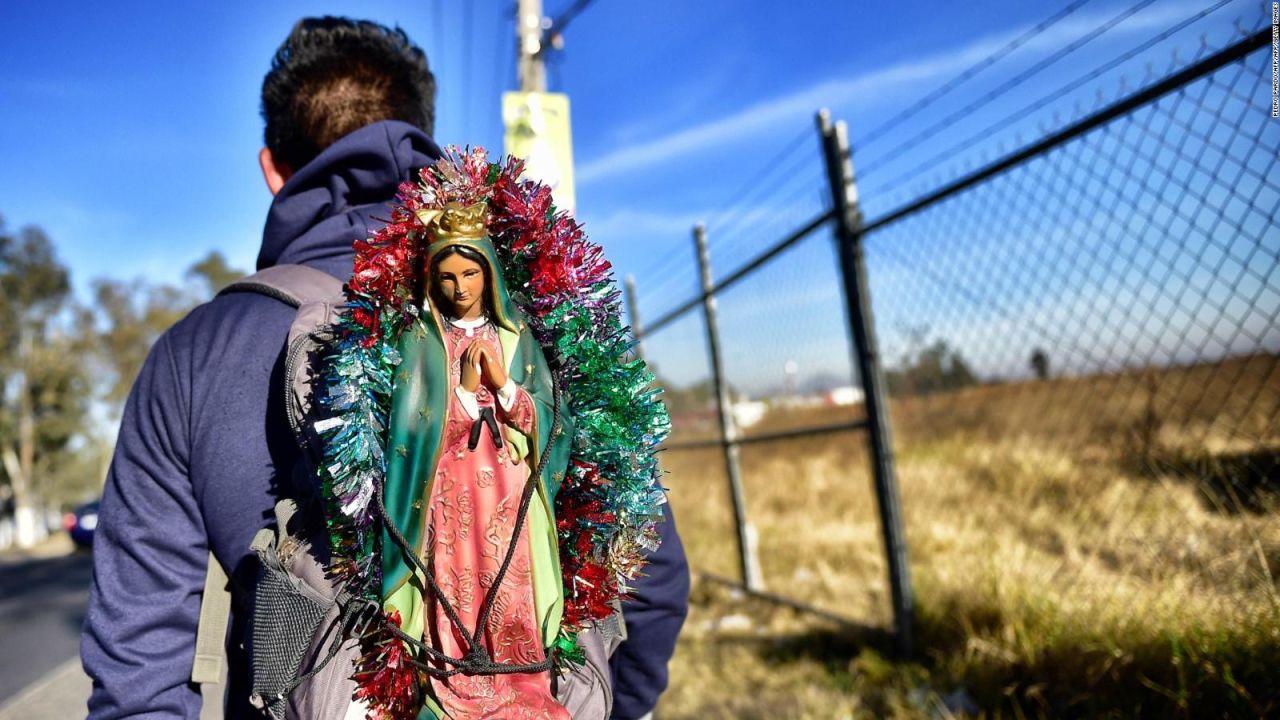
pixel 130 132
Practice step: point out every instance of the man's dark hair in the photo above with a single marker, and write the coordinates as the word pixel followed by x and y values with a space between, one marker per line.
pixel 334 75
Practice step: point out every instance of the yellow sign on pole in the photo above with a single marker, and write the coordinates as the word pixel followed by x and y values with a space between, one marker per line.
pixel 537 131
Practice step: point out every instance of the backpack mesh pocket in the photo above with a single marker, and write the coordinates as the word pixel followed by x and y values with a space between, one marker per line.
pixel 286 615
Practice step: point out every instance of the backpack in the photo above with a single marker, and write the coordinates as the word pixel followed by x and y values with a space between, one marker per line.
pixel 304 630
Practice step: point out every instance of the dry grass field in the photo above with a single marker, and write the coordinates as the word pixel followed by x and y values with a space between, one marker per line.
pixel 1098 547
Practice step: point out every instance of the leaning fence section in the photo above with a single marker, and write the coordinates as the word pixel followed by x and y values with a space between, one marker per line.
pixel 1075 351
pixel 781 409
pixel 695 475
pixel 800 424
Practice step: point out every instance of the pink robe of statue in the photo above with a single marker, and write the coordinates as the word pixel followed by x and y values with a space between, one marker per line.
pixel 473 506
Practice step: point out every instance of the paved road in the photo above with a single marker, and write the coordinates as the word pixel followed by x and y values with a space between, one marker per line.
pixel 42 603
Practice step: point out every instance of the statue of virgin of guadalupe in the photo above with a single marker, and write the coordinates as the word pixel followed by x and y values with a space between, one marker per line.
pixel 473 418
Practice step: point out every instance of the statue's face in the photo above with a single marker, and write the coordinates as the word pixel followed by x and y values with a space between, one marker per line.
pixel 461 282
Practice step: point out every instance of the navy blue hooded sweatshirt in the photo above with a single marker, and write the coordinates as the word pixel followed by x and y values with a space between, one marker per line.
pixel 205 451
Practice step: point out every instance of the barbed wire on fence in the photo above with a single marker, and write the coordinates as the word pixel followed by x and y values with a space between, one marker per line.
pixel 743 240
pixel 898 150
pixel 759 180
pixel 875 133
pixel 996 128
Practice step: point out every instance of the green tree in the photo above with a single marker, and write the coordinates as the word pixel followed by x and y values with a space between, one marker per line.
pixel 132 314
pixel 58 357
pixel 936 368
pixel 1040 363
pixel 214 272
pixel 46 384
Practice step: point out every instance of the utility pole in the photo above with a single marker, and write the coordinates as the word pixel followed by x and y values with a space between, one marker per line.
pixel 530 69
pixel 536 121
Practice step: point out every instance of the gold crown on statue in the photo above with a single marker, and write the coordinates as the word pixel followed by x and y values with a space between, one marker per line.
pixel 456 221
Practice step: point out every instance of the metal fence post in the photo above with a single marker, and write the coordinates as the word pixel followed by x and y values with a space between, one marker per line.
pixel 748 561
pixel 633 309
pixel 839 161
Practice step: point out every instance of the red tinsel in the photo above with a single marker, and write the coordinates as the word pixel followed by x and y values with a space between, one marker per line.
pixel 383 272
pixel 386 679
pixel 590 587
pixel 521 211
pixel 381 266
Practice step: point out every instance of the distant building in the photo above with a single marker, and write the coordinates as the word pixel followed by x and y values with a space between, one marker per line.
pixel 749 412
pixel 844 395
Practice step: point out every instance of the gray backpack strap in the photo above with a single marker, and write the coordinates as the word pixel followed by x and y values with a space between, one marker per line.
pixel 298 286
pixel 317 295
pixel 294 285
pixel 215 609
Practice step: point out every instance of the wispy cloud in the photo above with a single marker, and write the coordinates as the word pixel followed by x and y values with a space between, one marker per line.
pixel 628 223
pixel 746 222
pixel 797 107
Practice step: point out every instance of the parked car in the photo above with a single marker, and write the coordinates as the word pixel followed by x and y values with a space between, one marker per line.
pixel 80 524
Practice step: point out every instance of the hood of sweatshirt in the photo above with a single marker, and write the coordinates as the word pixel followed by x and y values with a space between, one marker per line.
pixel 341 195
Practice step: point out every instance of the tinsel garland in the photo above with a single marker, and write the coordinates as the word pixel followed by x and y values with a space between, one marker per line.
pixel 385 677
pixel 610 499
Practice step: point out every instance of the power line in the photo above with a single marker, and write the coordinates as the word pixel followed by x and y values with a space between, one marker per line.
pixel 749 193
pixel 671 278
pixel 1008 120
pixel 537 33
pixel 970 72
pixel 661 267
pixel 687 287
pixel 690 290
pixel 499 68
pixel 665 269
pixel 752 192
pixel 782 213
pixel 468 12
pixel 559 24
pixel 1017 80
pixel 756 183
pixel 783 165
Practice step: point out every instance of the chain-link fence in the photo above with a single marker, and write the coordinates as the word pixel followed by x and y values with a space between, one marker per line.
pixel 1081 351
